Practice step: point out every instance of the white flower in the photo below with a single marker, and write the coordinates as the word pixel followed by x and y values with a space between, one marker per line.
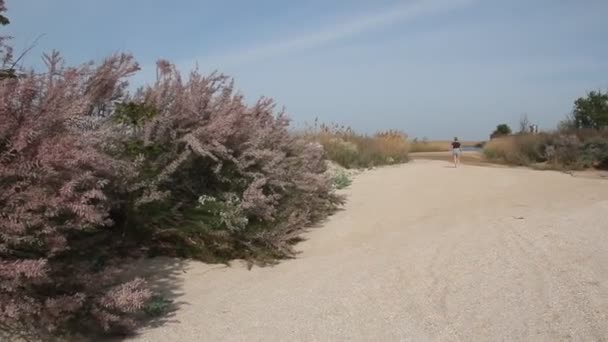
pixel 204 199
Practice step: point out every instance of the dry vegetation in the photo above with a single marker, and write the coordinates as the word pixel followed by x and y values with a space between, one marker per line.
pixel 576 149
pixel 418 146
pixel 353 150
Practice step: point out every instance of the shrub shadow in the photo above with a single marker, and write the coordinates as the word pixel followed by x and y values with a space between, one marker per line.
pixel 165 278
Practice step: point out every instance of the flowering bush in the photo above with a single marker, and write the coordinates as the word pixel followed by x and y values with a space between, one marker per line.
pixel 91 176
pixel 55 194
pixel 87 170
pixel 198 139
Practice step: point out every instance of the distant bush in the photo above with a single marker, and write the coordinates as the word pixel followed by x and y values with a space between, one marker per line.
pixel 595 153
pixel 500 131
pixel 558 150
pixel 503 149
pixel 591 111
pixel 563 151
pixel 352 150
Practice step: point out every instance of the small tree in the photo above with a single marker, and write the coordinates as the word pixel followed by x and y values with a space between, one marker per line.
pixel 501 130
pixel 3 20
pixel 591 111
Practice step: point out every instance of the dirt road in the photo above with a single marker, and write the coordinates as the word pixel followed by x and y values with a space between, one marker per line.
pixel 422 252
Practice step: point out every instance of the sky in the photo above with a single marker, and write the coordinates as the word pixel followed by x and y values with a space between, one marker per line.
pixel 431 68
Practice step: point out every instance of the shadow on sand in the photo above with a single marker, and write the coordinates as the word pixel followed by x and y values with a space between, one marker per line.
pixel 165 278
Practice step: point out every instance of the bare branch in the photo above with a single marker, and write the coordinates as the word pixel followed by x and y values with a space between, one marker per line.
pixel 26 51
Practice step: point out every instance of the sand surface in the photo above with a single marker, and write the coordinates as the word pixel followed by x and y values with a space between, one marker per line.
pixel 422 252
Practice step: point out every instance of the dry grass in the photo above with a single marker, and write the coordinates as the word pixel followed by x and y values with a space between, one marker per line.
pixel 353 150
pixel 470 158
pixel 438 145
pixel 554 150
pixel 429 146
pixel 523 149
pixel 500 147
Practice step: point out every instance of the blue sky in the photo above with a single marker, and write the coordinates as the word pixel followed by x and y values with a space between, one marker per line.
pixel 433 68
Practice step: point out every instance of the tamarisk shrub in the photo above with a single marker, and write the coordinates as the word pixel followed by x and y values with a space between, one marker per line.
pixel 56 189
pixel 216 176
pixel 91 175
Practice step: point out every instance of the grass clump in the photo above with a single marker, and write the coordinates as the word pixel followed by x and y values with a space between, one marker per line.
pixel 353 150
pixel 425 145
pixel 341 181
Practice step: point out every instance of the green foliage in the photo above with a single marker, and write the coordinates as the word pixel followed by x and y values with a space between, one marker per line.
pixel 595 153
pixel 133 114
pixel 345 153
pixel 591 111
pixel 7 73
pixel 566 125
pixel 501 130
pixel 214 178
pixel 491 154
pixel 157 306
pixel 341 180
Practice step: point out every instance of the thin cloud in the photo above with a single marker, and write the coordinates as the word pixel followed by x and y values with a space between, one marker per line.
pixel 336 32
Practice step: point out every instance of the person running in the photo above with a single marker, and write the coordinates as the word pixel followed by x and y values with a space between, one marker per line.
pixel 456 151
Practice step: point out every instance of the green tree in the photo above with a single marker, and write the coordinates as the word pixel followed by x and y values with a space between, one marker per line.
pixel 5 50
pixel 501 130
pixel 591 111
pixel 3 20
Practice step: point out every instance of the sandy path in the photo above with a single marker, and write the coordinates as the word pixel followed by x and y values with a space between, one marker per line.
pixel 423 252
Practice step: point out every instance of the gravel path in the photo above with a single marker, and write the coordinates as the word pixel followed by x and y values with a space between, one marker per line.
pixel 422 252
